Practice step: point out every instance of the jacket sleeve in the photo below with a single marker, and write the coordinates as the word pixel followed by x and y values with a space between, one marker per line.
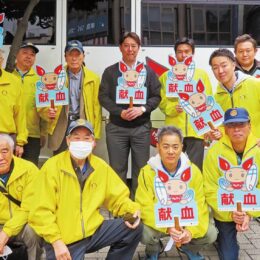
pixel 203 214
pixel 154 87
pixel 117 195
pixel 97 110
pixel 146 198
pixel 210 178
pixel 20 217
pixel 167 105
pixel 42 214
pixel 20 118
pixel 104 97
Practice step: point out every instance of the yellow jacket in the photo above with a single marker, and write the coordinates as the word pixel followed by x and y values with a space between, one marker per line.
pixel 211 171
pixel 65 211
pixel 246 94
pixel 12 114
pixel 168 105
pixel 145 196
pixel 92 107
pixel 20 186
pixel 35 125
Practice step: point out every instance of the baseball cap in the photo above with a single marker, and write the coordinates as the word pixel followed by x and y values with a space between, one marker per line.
pixel 80 123
pixel 236 115
pixel 29 45
pixel 74 45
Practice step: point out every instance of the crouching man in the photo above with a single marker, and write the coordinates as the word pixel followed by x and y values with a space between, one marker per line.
pixel 16 188
pixel 171 180
pixel 73 185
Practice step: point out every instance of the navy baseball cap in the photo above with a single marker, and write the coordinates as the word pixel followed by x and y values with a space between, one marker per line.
pixel 74 45
pixel 236 115
pixel 29 45
pixel 80 123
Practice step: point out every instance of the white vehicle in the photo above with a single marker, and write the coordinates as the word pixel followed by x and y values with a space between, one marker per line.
pixel 98 25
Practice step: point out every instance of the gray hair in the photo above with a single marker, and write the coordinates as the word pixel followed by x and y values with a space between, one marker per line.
pixel 169 130
pixel 8 139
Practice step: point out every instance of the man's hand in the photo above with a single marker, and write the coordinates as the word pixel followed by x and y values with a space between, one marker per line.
pixel 183 236
pixel 179 109
pixel 61 250
pixel 131 113
pixel 3 240
pixel 136 215
pixel 238 217
pixel 52 112
pixel 242 222
pixel 214 134
pixel 18 151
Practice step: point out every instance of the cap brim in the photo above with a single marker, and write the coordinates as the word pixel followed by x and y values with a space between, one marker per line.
pixel 36 50
pixel 235 121
pixel 75 127
pixel 74 48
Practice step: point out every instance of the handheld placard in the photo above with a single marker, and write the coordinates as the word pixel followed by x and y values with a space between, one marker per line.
pixel 212 127
pixel 131 103
pixel 177 227
pixel 239 207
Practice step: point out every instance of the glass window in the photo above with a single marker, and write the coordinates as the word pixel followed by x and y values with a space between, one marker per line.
pixel 158 23
pixel 207 24
pixel 41 26
pixel 98 22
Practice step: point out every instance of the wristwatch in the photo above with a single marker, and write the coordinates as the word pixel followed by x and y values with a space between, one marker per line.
pixel 143 109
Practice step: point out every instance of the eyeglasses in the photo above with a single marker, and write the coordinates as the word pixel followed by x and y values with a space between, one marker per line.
pixel 236 125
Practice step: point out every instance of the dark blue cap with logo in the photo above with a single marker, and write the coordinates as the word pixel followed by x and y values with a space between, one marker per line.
pixel 29 45
pixel 74 45
pixel 80 123
pixel 236 115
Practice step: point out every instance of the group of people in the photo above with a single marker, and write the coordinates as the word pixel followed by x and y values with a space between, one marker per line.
pixel 58 206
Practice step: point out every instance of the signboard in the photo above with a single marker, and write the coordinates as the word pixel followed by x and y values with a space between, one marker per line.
pixel 51 87
pixel 175 199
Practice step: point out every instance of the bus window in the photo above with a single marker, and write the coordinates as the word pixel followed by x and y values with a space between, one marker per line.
pixel 162 22
pixel 98 22
pixel 41 26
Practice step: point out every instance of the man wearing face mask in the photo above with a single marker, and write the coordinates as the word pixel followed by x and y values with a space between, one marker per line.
pixel 73 186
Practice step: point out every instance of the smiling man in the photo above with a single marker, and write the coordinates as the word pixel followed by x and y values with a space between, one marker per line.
pixel 172 163
pixel 129 126
pixel 245 48
pixel 16 189
pixel 236 146
pixel 236 89
pixel 83 87
pixel 37 127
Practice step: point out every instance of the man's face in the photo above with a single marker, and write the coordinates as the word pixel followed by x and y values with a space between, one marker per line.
pixel 245 54
pixel 129 49
pixel 6 155
pixel 25 58
pixel 80 134
pixel 183 51
pixel 223 69
pixel 238 132
pixel 170 148
pixel 74 59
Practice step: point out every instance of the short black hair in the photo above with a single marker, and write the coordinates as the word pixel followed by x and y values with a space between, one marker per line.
pixel 169 130
pixel 185 40
pixel 221 53
pixel 132 35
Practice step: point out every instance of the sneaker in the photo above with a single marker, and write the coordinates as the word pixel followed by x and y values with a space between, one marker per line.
pixel 190 254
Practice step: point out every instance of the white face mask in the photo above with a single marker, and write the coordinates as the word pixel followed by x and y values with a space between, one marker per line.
pixel 80 149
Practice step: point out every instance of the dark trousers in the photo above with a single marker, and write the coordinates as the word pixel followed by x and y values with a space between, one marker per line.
pixel 114 233
pixel 120 141
pixel 228 248
pixel 194 147
pixel 32 150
